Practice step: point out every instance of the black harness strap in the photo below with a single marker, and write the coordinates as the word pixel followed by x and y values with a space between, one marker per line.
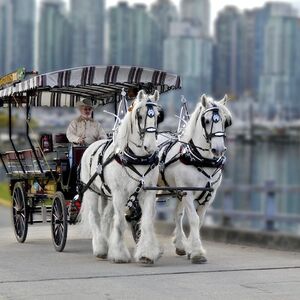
pixel 83 187
pixel 189 155
pixel 107 162
pixel 208 196
pixel 163 165
pixel 130 160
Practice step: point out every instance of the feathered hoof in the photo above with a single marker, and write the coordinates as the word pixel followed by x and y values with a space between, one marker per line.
pixel 180 252
pixel 199 259
pixel 102 256
pixel 146 261
pixel 189 256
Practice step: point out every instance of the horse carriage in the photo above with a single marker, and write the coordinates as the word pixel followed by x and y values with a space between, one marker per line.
pixel 45 183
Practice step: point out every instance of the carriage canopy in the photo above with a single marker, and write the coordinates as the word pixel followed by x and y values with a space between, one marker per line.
pixel 102 84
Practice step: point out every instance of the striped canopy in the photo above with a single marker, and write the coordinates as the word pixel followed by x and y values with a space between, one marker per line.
pixel 102 84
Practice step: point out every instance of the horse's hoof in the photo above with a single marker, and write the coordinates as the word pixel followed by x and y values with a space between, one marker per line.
pixel 101 256
pixel 180 252
pixel 189 256
pixel 199 259
pixel 146 261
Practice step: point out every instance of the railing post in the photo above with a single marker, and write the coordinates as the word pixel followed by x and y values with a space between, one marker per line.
pixel 227 206
pixel 270 207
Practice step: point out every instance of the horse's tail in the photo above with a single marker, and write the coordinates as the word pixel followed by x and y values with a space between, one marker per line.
pixel 83 218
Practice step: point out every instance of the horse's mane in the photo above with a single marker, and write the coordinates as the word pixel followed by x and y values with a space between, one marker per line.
pixel 190 127
pixel 122 135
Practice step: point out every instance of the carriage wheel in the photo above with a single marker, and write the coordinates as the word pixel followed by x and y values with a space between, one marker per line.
pixel 59 222
pixel 20 212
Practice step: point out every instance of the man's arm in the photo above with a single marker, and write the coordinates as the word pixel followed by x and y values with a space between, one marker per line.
pixel 71 133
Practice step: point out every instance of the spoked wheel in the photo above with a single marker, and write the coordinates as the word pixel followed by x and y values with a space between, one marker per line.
pixel 59 222
pixel 20 212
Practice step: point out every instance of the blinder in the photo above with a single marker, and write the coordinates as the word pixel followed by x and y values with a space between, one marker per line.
pixel 150 114
pixel 215 119
pixel 228 122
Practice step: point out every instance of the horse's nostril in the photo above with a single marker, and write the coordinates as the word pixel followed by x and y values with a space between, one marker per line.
pixel 213 150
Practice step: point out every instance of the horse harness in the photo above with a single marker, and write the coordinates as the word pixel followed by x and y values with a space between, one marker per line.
pixel 127 158
pixel 189 155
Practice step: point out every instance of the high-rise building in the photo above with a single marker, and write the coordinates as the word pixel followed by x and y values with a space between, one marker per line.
pixel 164 12
pixel 53 36
pixel 87 19
pixel 277 39
pixel 23 32
pixel 5 36
pixel 189 54
pixel 228 53
pixel 279 87
pixel 249 51
pixel 146 38
pixel 134 37
pixel 197 12
pixel 120 35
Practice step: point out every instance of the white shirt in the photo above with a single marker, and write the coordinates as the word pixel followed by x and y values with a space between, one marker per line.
pixel 89 130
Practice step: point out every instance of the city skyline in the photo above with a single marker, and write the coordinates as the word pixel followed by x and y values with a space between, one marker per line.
pixel 216 5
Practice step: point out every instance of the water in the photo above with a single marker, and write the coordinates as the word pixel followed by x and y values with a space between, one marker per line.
pixel 257 164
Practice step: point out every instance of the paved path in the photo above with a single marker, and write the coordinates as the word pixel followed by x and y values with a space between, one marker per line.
pixel 35 271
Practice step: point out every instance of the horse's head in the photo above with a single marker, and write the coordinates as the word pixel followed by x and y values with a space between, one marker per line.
pixel 139 127
pixel 212 117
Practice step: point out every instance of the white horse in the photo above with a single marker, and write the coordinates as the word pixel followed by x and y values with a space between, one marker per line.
pixel 195 160
pixel 121 178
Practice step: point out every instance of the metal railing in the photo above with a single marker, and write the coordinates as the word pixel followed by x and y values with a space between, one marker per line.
pixel 270 214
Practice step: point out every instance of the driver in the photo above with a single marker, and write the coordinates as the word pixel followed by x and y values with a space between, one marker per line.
pixel 84 130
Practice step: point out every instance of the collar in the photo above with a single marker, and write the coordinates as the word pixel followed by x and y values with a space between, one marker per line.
pixel 189 155
pixel 129 158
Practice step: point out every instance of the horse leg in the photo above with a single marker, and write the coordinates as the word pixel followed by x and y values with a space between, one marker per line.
pixel 148 250
pixel 107 217
pixel 179 239
pixel 118 252
pixel 100 246
pixel 195 248
pixel 201 210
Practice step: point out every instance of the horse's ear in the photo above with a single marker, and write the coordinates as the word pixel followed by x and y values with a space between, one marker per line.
pixel 156 96
pixel 224 100
pixel 204 100
pixel 141 95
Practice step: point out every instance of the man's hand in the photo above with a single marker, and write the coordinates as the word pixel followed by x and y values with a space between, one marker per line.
pixel 81 141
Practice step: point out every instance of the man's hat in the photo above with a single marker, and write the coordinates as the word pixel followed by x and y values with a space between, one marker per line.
pixel 85 102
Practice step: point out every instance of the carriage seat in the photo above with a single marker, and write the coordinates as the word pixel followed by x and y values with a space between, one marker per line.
pixel 61 138
pixel 28 161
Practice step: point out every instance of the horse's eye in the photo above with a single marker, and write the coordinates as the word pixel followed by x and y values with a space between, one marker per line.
pixel 140 118
pixel 207 121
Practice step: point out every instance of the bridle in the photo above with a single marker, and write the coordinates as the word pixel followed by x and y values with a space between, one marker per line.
pixel 142 130
pixel 216 118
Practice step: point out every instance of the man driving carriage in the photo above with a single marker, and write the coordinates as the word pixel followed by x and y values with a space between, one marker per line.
pixel 84 130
